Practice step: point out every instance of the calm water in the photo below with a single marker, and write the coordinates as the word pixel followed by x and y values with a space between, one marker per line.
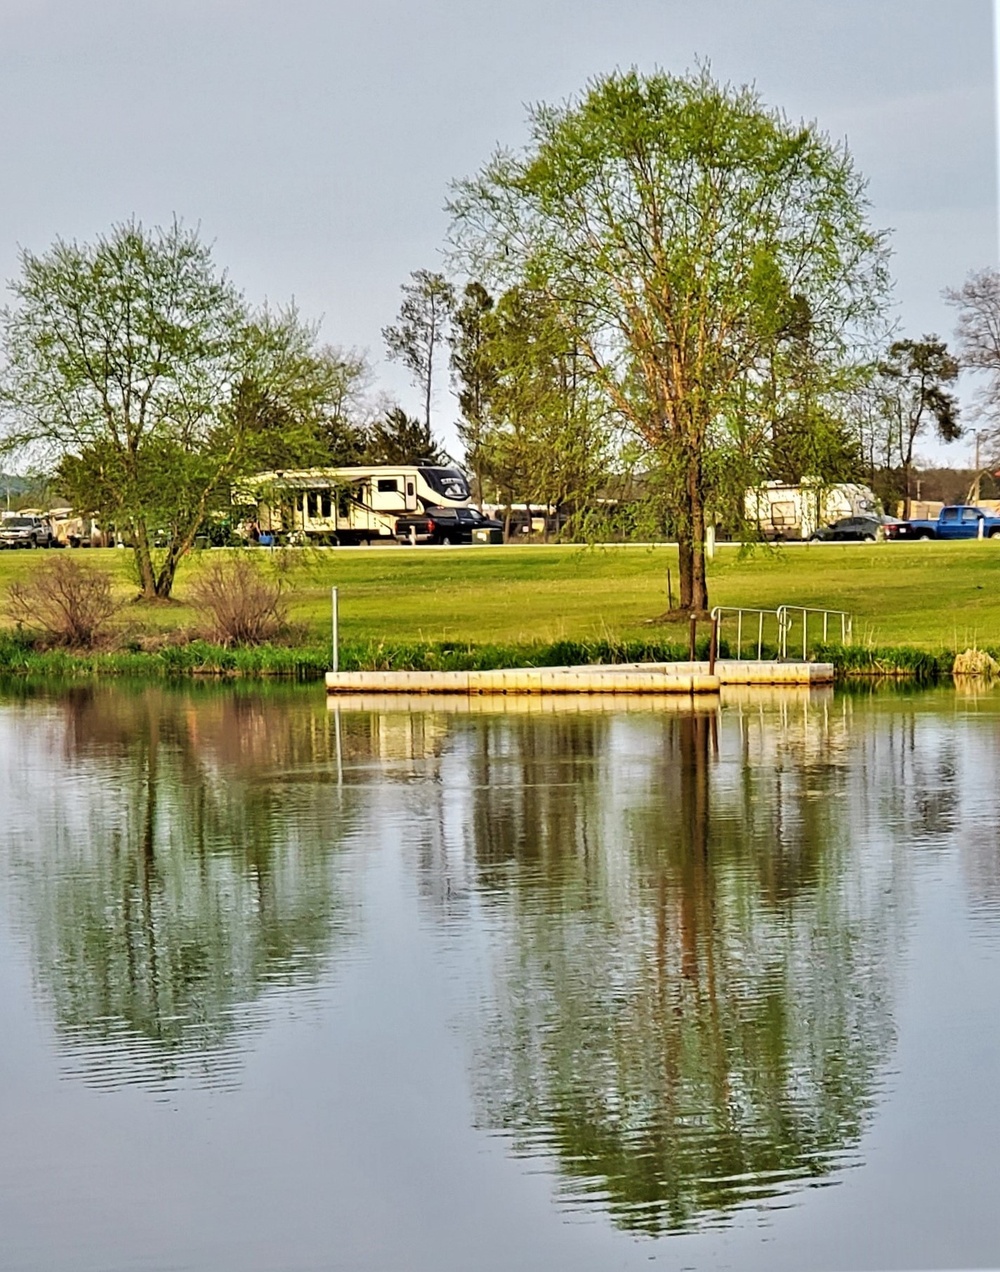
pixel 285 987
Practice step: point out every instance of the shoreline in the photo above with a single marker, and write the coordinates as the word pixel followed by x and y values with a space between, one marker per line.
pixel 202 660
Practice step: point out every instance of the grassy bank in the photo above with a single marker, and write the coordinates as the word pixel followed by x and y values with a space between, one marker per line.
pixel 199 658
pixel 915 604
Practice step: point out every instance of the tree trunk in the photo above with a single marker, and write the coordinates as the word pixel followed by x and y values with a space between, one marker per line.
pixel 144 561
pixel 699 582
pixel 685 568
pixel 165 581
pixel 691 541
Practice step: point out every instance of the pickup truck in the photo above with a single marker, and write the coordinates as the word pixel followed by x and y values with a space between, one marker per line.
pixel 26 530
pixel 448 525
pixel 956 521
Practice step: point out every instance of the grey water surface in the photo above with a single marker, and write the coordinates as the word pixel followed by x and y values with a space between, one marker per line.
pixel 414 985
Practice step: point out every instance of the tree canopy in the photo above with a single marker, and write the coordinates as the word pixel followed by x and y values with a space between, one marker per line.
pixel 421 330
pixel 136 368
pixel 688 238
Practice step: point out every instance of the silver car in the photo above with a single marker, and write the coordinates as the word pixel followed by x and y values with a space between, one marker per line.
pixel 25 531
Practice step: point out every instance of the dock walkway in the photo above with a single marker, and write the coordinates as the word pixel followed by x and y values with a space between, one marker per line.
pixel 621 678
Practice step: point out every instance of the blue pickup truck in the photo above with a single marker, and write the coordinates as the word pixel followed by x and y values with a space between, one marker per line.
pixel 955 521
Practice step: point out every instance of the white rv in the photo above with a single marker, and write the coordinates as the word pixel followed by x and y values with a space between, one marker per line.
pixel 783 512
pixel 348 505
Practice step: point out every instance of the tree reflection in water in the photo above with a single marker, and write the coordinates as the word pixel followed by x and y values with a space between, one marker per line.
pixel 693 955
pixel 186 879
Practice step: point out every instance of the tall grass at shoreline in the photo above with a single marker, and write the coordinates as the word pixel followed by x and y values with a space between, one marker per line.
pixel 19 656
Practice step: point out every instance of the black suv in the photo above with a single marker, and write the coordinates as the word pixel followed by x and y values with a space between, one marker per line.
pixel 448 525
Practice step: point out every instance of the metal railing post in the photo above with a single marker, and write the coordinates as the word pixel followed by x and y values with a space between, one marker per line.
pixel 335 627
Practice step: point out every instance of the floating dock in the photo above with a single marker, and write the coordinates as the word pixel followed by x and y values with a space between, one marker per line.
pixel 686 679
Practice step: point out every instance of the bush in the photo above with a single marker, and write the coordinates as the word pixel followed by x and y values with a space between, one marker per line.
pixel 68 602
pixel 239 602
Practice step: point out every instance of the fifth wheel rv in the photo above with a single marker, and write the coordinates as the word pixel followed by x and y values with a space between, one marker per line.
pixel 348 505
pixel 782 512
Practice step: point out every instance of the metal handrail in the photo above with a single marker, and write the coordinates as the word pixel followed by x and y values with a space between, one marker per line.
pixel 785 617
pixel 720 611
pixel 786 622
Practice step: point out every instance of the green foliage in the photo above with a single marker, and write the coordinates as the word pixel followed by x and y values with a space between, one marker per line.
pixel 397 438
pixel 421 328
pixel 137 369
pixel 890 661
pixel 913 386
pixel 547 437
pixel 683 233
pixel 475 375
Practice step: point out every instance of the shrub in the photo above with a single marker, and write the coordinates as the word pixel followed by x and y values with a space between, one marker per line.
pixel 977 663
pixel 238 601
pixel 68 602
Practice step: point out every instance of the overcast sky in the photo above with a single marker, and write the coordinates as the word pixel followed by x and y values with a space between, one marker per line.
pixel 314 140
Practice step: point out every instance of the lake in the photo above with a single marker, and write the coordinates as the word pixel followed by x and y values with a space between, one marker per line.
pixel 439 986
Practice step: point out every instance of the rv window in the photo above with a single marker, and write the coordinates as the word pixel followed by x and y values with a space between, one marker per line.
pixel 387 483
pixel 409 489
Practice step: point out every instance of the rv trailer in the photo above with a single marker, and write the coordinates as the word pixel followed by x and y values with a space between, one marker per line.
pixel 784 512
pixel 346 505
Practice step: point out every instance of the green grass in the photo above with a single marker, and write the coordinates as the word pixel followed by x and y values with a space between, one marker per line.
pixel 431 607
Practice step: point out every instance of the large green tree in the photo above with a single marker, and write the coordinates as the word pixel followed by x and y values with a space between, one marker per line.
pixel 915 380
pixel 397 438
pixel 474 373
pixel 679 227
pixel 135 367
pixel 546 439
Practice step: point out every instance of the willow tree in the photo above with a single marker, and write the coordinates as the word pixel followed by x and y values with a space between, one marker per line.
pixel 681 229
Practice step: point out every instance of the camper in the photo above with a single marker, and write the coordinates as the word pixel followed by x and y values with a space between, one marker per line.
pixel 783 512
pixel 345 505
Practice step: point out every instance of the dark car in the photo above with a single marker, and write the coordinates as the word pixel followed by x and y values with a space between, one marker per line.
pixel 448 525
pixel 863 529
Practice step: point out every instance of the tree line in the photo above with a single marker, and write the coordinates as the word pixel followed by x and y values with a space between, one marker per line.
pixel 670 294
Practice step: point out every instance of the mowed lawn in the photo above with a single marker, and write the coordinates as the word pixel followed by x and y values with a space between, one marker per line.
pixel 932 595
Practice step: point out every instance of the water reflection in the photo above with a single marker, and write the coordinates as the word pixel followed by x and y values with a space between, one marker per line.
pixel 672 936
pixel 693 952
pixel 176 874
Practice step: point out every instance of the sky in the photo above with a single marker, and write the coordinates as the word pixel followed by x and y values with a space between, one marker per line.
pixel 313 141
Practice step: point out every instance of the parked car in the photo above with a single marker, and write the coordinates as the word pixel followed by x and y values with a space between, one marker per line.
pixel 25 531
pixel 448 525
pixel 862 529
pixel 956 521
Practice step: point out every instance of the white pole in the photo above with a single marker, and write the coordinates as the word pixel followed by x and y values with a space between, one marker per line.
pixel 335 627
